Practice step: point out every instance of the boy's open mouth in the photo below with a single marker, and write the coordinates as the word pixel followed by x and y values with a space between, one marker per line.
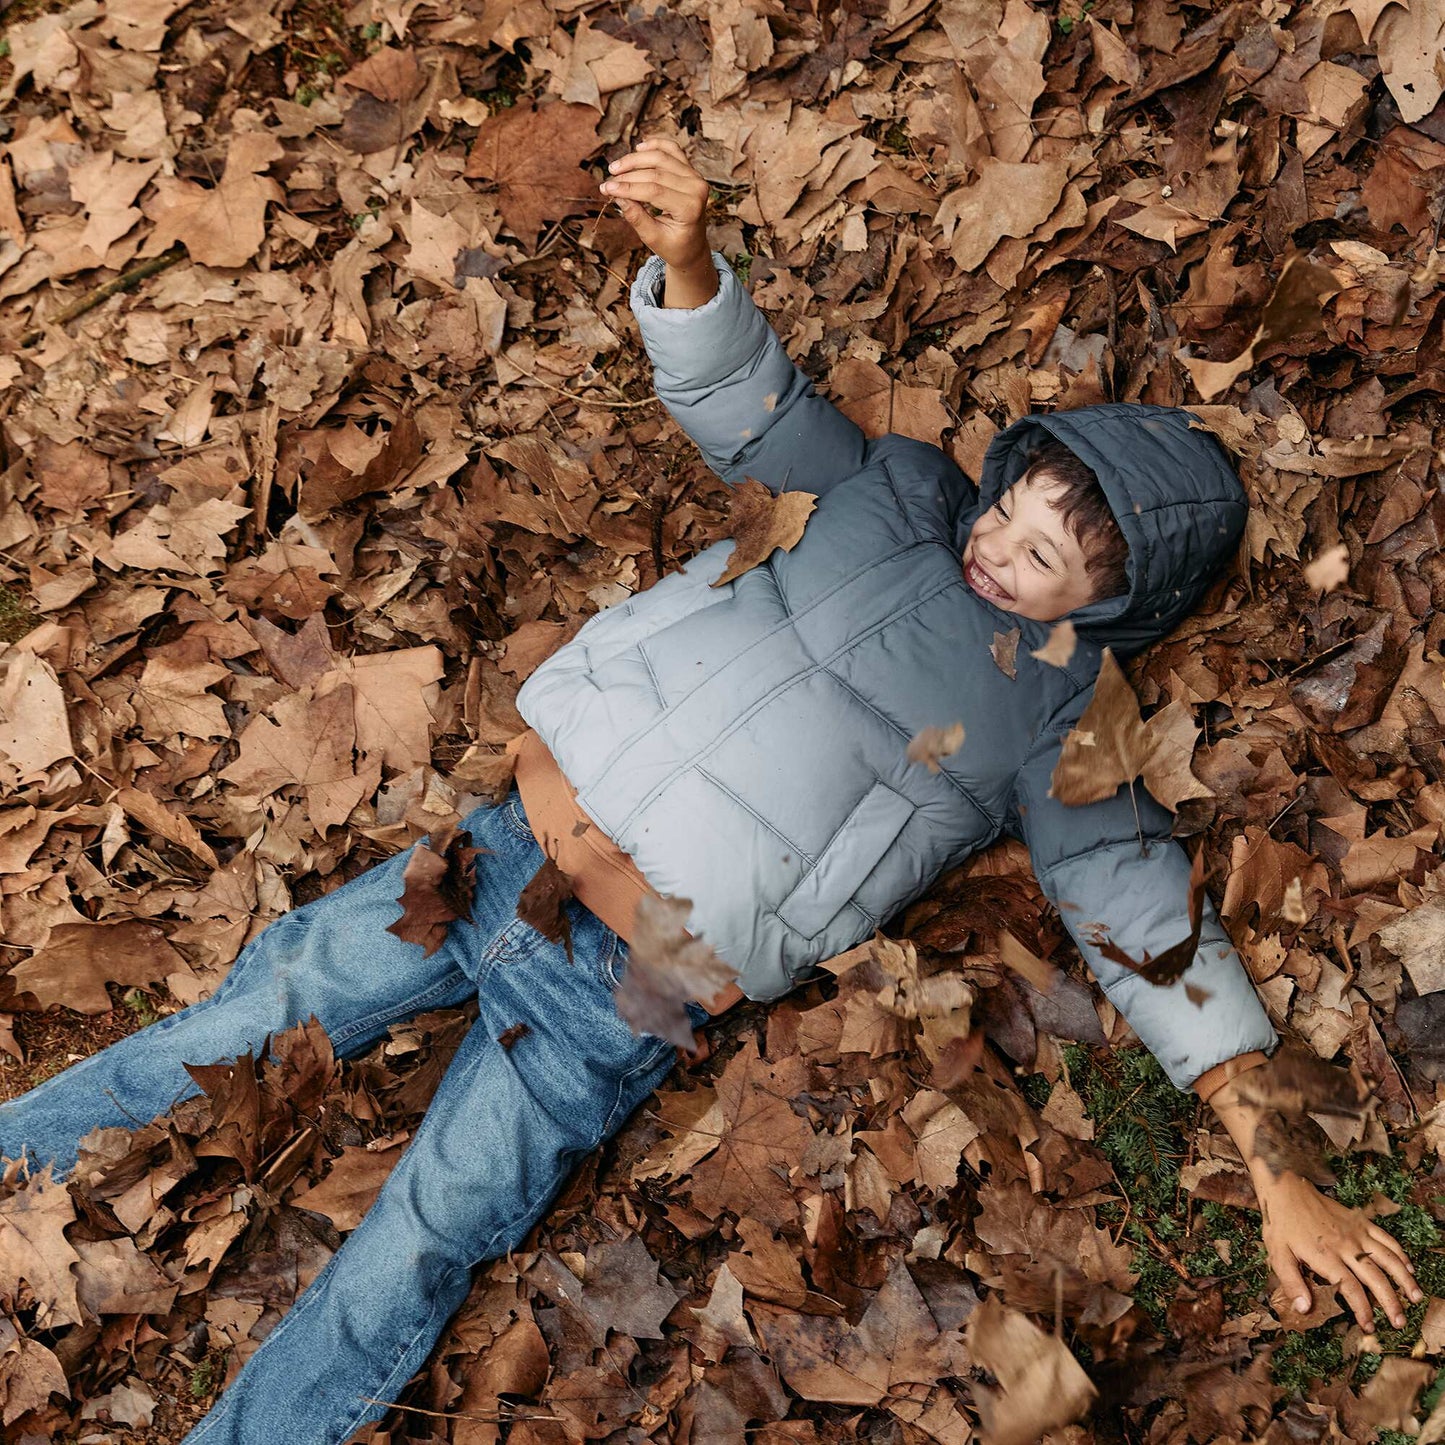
pixel 983 584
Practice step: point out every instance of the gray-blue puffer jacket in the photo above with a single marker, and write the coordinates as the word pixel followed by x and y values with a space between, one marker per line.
pixel 745 744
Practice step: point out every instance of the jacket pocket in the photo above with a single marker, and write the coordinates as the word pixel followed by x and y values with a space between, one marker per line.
pixel 855 850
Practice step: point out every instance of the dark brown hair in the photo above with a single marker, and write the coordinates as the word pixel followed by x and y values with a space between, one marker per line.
pixel 1086 514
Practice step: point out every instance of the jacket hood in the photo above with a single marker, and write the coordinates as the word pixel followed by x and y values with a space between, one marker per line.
pixel 1173 491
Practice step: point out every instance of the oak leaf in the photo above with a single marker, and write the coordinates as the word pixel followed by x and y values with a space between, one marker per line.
pixel 762 521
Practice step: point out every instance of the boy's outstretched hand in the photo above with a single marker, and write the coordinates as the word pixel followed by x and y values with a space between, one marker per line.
pixel 1303 1227
pixel 657 174
pixel 1306 1230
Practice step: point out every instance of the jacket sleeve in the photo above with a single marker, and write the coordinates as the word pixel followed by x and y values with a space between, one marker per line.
pixel 721 371
pixel 1099 867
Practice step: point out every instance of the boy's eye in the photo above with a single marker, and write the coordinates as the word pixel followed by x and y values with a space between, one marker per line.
pixel 1033 552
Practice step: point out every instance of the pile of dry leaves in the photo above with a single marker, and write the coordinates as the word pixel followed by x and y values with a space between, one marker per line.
pixel 366 434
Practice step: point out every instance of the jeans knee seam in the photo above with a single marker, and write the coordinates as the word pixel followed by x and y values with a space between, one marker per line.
pixel 650 1062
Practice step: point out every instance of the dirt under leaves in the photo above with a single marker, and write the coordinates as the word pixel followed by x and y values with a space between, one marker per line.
pixel 366 433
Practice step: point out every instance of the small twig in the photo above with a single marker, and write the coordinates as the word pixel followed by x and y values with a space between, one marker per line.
pixel 126 281
pixel 455 1415
pixel 584 400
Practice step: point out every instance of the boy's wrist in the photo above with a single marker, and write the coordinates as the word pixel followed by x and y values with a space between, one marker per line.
pixel 690 283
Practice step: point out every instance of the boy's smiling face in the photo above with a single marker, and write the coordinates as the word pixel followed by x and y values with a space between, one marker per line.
pixel 1022 557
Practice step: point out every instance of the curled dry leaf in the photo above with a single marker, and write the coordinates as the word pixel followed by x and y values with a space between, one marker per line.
pixel 1060 645
pixel 1041 1385
pixel 1043 976
pixel 1166 967
pixel 761 522
pixel 489 774
pixel 667 967
pixel 1297 1082
pixel 931 745
pixel 439 880
pixel 1004 649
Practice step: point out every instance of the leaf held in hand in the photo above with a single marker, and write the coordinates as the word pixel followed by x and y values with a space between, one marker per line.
pixel 666 968
pixel 439 880
pixel 762 522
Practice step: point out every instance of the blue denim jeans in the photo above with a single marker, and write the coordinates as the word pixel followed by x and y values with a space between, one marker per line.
pixel 502 1133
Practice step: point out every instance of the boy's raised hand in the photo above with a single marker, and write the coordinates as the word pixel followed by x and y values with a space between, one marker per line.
pixel 657 174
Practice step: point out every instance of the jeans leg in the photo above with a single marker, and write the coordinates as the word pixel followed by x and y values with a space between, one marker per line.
pixel 332 957
pixel 502 1133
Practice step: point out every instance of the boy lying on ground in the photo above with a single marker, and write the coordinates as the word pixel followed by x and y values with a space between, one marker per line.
pixel 744 747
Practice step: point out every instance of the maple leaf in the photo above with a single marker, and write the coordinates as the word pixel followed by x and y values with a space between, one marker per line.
pixel 762 521
pixel 79 959
pixel 223 226
pixel 535 155
pixel 307 741
pixel 172 695
pixel 1113 745
pixel 933 744
pixel 439 884
pixel 759 1139
pixel 667 967
pixel 541 904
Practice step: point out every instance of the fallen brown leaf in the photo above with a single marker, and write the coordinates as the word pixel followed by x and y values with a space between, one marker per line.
pixel 762 522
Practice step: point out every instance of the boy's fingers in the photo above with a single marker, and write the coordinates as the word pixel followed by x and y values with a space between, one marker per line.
pixel 652 161
pixel 677 204
pixel 1390 1245
pixel 1396 1263
pixel 1355 1297
pixel 1373 1277
pixel 1293 1283
pixel 665 144
pixel 678 180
